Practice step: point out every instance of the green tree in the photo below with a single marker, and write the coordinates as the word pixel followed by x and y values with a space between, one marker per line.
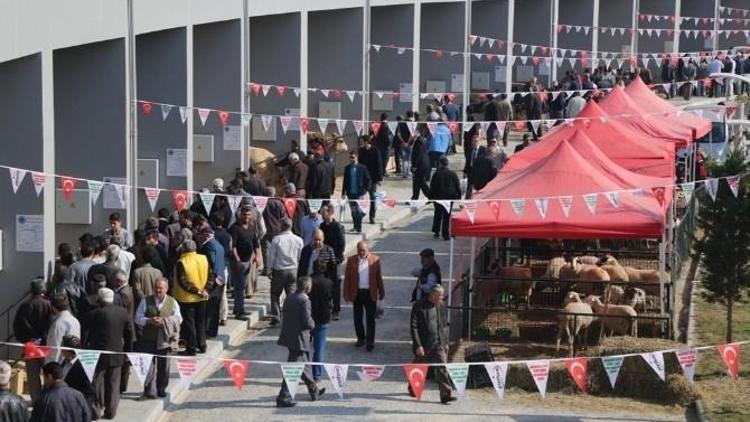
pixel 726 242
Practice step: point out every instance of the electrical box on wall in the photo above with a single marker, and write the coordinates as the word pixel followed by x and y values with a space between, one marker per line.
pixel 76 210
pixel 148 172
pixel 203 148
pixel 384 103
pixel 260 133
pixel 329 110
pixel 480 80
pixel 435 86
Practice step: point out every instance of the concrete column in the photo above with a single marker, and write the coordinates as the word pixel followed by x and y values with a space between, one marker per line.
pixel 366 61
pixel 717 14
pixel 467 67
pixel 676 33
pixel 48 157
pixel 634 35
pixel 509 59
pixel 244 87
pixel 303 83
pixel 189 97
pixel 416 55
pixel 595 36
pixel 131 129
pixel 555 19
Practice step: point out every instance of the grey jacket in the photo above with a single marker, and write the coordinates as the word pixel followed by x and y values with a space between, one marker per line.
pixel 296 322
pixel 169 333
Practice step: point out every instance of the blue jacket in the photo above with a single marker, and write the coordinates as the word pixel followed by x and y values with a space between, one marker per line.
pixel 214 252
pixel 441 140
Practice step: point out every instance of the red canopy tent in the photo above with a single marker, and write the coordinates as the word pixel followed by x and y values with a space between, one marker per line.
pixel 625 147
pixel 639 92
pixel 655 124
pixel 564 172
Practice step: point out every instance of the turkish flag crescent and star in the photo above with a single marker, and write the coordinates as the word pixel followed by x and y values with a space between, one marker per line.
pixel 416 374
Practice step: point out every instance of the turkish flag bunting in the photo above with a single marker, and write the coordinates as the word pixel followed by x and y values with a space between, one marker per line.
pixel 290 204
pixel 578 368
pixel 180 199
pixel 237 369
pixel 453 127
pixel 375 127
pixel 147 107
pixel 730 353
pixel 224 118
pixel 31 351
pixel 67 185
pixel 280 89
pixel 416 374
pixel 255 88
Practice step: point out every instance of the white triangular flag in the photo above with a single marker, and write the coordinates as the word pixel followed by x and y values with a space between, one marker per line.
pixel 141 364
pixel 95 187
pixel 246 118
pixel 379 94
pixel 364 205
pixel 734 184
pixel 497 371
pixel 656 361
pixel 712 185
pixel 566 203
pixel 541 205
pixel 88 359
pixel 122 194
pixel 296 91
pixel 208 201
pixel 292 373
pixel 376 47
pixel 341 126
pixel 358 126
pixel 371 373
pixel 535 125
pixel 323 124
pixel 392 126
pixel 38 179
pixel 260 202
pixel 540 372
pixel 351 94
pixel 165 109
pixel 688 358
pixel 325 92
pixel 203 114
pixel 183 114
pixel 445 204
pixel 590 201
pixel 285 121
pixel 152 194
pixel 614 198
pixel 432 126
pixel 267 120
pixel 518 206
pixel 337 375
pixel 412 127
pixel 471 209
pixel 315 204
pixel 16 177
pixel 612 365
pixel 265 89
pixel 459 373
pixel 187 368
pixel 234 202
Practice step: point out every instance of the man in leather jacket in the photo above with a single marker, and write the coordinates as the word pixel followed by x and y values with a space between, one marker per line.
pixel 12 406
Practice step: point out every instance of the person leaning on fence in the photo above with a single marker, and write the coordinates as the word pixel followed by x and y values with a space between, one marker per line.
pixel 12 406
pixel 429 337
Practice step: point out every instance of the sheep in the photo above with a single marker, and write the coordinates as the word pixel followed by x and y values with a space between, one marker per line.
pixel 589 272
pixel 636 298
pixel 646 278
pixel 615 294
pixel 572 325
pixel 616 273
pixel 571 297
pixel 515 280
pixel 588 259
pixel 553 268
pixel 624 322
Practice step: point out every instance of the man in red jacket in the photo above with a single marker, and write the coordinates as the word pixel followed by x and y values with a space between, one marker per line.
pixel 363 285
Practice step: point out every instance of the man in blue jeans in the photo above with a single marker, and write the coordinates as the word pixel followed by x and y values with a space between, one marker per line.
pixel 245 249
pixel 356 184
pixel 321 298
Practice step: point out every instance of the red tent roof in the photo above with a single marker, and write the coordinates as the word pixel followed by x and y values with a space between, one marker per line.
pixel 621 107
pixel 626 147
pixel 642 95
pixel 564 172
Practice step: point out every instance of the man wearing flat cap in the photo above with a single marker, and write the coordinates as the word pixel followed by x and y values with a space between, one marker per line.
pixel 30 324
pixel 428 275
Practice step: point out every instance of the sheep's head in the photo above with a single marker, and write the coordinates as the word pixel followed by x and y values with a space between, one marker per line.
pixel 571 297
pixel 608 260
pixel 592 299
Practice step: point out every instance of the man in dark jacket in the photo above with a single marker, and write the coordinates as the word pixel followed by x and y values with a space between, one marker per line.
pixel 321 179
pixel 333 236
pixel 253 184
pixel 471 149
pixel 272 215
pixel 371 158
pixel 317 250
pixel 108 328
pixel 30 324
pixel 443 186
pixel 298 173
pixel 124 299
pixel 321 299
pixel 295 336
pixel 75 375
pixel 429 337
pixel 420 163
pixel 356 183
pixel 484 169
pixel 214 252
pixel 59 402
pixel 12 406
pixel 534 112
pixel 382 142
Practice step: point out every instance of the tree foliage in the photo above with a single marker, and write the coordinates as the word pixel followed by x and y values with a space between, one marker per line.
pixel 726 243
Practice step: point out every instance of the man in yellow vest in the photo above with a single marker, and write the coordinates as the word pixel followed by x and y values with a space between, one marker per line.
pixel 191 289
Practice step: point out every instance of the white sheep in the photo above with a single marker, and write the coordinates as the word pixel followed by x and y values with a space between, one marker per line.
pixel 553 268
pixel 615 294
pixel 623 321
pixel 635 297
pixel 572 325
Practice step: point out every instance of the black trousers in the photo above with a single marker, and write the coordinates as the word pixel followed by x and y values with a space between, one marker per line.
pixel 157 378
pixel 357 215
pixel 419 180
pixel 193 328
pixel 437 355
pixel 364 306
pixel 397 158
pixel 213 305
pixel 373 208
pixel 441 218
pixel 107 385
pixel 336 292
pixel 312 387
pixel 534 133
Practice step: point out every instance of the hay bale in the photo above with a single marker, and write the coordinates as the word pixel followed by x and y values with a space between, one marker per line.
pixel 680 390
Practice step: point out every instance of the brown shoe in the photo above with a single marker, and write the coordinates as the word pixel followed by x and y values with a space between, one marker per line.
pixel 223 322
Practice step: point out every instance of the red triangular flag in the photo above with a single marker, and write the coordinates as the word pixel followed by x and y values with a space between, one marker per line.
pixel 67 185
pixel 416 374
pixel 578 368
pixel 255 88
pixel 31 351
pixel 224 118
pixel 147 107
pixel 731 355
pixel 280 89
pixel 453 126
pixel 304 123
pixel 290 204
pixel 389 202
pixel 180 199
pixel 237 369
pixel 375 127
pixel 495 207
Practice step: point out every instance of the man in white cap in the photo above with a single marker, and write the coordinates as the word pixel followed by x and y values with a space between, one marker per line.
pixel 108 328
pixel 12 406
